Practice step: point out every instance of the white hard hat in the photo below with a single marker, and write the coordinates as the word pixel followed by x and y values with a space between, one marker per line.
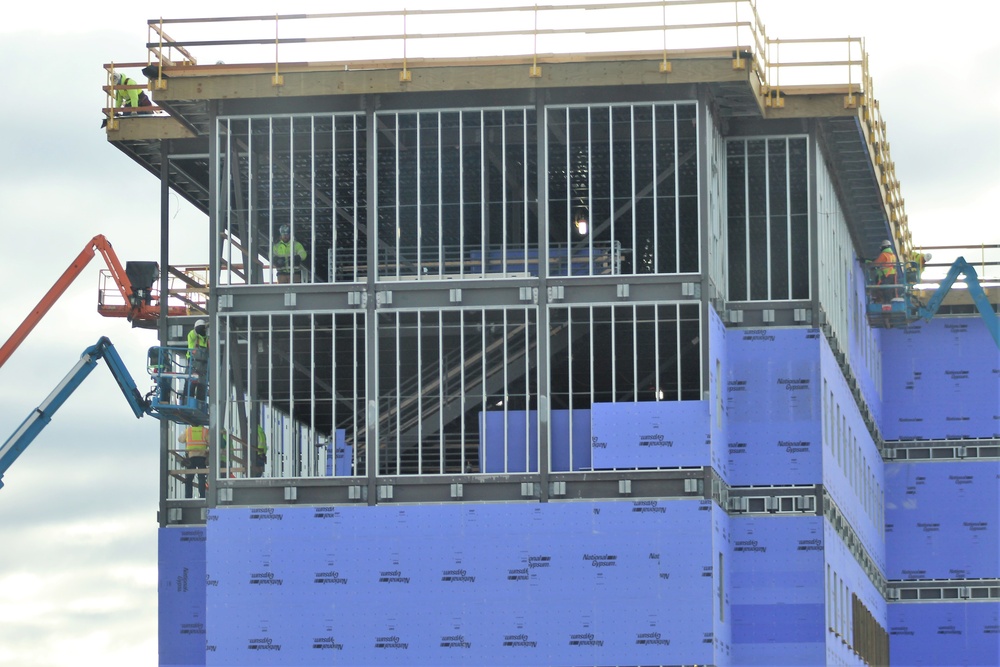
pixel 885 244
pixel 927 256
pixel 117 77
pixel 200 323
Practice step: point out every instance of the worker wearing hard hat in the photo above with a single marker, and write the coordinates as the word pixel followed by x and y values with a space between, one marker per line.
pixel 885 272
pixel 195 441
pixel 127 96
pixel 915 263
pixel 197 342
pixel 287 256
pixel 259 454
pixel 198 336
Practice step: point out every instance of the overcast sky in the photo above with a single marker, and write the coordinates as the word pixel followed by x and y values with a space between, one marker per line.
pixel 78 524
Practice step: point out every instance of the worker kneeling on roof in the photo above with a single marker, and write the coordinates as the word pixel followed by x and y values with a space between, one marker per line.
pixel 129 96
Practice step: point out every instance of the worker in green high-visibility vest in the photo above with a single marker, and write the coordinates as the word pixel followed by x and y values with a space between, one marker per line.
pixel 287 256
pixel 259 454
pixel 197 342
pixel 127 96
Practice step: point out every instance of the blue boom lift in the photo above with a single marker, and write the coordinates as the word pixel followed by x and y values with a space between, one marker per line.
pixel 907 307
pixel 168 370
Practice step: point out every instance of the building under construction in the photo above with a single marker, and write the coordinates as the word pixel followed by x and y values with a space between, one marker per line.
pixel 545 336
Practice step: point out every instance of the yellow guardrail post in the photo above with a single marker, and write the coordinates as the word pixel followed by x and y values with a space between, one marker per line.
pixel 405 74
pixel 850 101
pixel 277 79
pixel 535 72
pixel 160 83
pixel 774 98
pixel 738 61
pixel 112 121
pixel 665 66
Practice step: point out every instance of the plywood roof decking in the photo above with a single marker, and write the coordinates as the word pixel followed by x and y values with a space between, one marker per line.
pixel 482 75
pixel 149 129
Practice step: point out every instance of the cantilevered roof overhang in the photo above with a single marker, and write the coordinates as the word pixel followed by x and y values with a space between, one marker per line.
pixel 729 78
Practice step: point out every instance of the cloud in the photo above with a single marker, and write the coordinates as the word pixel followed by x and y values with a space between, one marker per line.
pixel 943 150
pixel 83 586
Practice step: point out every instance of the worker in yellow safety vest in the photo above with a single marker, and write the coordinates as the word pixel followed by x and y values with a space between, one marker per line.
pixel 260 454
pixel 197 342
pixel 287 256
pixel 127 96
pixel 915 266
pixel 195 441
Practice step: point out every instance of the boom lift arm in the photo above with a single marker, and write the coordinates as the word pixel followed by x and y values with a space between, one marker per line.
pixel 188 412
pixel 960 267
pixel 909 308
pixel 139 305
pixel 42 415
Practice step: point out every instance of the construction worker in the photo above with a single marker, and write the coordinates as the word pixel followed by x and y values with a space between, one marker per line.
pixel 195 441
pixel 197 342
pixel 915 266
pixel 260 454
pixel 287 256
pixel 885 272
pixel 129 97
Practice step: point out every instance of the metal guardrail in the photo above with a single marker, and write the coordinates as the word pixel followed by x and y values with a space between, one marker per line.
pixel 187 287
pixel 452 261
pixel 408 37
pixel 984 258
pixel 662 23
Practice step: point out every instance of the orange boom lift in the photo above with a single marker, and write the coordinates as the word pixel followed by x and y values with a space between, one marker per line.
pixel 141 305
